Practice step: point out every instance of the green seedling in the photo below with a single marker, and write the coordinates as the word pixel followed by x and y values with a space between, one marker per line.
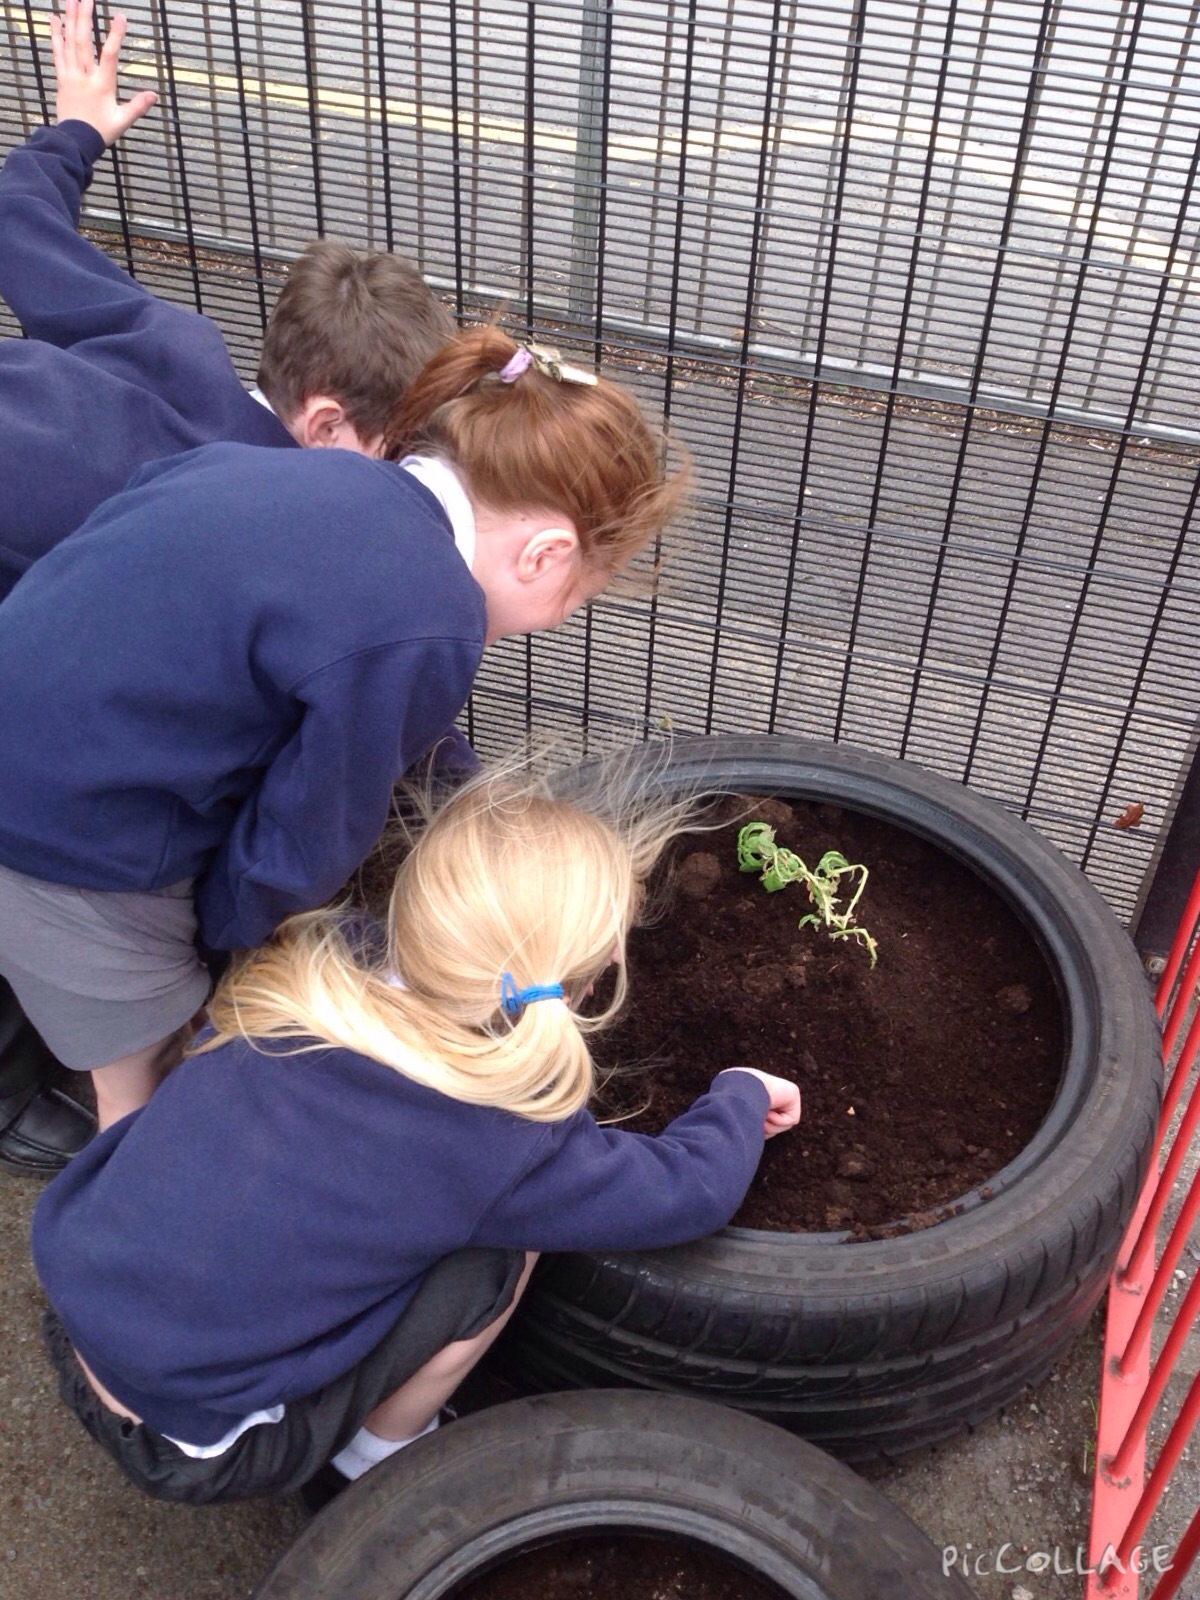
pixel 779 866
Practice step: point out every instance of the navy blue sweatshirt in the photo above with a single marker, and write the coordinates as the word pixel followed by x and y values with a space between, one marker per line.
pixel 258 1228
pixel 221 675
pixel 109 376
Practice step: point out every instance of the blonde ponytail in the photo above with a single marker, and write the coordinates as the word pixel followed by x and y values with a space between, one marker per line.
pixel 506 878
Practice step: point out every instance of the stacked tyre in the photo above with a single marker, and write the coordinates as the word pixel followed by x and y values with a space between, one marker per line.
pixel 874 1348
pixel 506 1481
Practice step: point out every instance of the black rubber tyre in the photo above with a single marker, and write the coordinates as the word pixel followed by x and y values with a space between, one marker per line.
pixel 875 1348
pixel 565 1466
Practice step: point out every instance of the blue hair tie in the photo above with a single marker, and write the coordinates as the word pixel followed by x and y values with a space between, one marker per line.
pixel 513 1000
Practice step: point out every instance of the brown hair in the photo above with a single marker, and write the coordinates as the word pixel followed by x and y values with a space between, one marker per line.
pixel 356 327
pixel 540 442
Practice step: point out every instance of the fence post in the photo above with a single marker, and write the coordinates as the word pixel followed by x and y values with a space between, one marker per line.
pixel 590 124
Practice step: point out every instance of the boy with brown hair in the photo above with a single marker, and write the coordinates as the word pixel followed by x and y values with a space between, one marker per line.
pixel 348 334
pixel 109 378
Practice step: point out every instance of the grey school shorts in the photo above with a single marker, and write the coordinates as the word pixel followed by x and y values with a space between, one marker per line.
pixel 459 1297
pixel 100 974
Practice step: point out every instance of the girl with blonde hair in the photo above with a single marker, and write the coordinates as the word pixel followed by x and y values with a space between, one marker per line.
pixel 296 1251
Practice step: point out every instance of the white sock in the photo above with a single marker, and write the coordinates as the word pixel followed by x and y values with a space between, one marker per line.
pixel 367 1449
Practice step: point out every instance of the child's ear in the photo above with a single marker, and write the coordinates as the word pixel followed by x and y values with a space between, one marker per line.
pixel 547 551
pixel 322 424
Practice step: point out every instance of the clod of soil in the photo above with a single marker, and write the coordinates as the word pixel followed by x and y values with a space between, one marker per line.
pixel 619 1567
pixel 921 1077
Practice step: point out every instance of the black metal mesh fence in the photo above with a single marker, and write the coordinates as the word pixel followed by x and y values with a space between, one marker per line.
pixel 915 282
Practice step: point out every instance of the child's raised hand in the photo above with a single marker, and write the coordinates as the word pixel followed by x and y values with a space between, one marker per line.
pixel 784 1110
pixel 87 86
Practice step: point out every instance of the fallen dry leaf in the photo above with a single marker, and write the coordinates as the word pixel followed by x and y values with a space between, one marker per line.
pixel 1131 815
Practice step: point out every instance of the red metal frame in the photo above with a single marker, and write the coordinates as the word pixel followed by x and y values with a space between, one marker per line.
pixel 1131 1385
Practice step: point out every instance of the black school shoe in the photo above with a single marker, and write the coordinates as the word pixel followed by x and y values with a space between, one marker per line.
pixel 325 1486
pixel 40 1130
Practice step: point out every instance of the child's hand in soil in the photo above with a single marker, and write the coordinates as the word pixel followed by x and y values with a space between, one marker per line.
pixel 784 1110
pixel 87 87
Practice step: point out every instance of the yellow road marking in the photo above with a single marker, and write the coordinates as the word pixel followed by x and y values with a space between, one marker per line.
pixel 1136 246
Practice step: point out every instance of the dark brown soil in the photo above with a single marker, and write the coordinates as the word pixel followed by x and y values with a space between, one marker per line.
pixel 619 1567
pixel 921 1077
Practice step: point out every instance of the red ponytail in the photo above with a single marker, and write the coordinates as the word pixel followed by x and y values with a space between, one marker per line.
pixel 581 450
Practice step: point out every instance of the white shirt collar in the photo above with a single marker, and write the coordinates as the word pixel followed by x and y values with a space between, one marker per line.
pixel 257 394
pixel 444 484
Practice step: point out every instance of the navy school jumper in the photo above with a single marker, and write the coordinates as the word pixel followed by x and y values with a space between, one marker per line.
pixel 222 674
pixel 109 376
pixel 258 1228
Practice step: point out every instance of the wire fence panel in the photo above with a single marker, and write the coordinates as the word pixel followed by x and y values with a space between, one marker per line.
pixel 915 281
